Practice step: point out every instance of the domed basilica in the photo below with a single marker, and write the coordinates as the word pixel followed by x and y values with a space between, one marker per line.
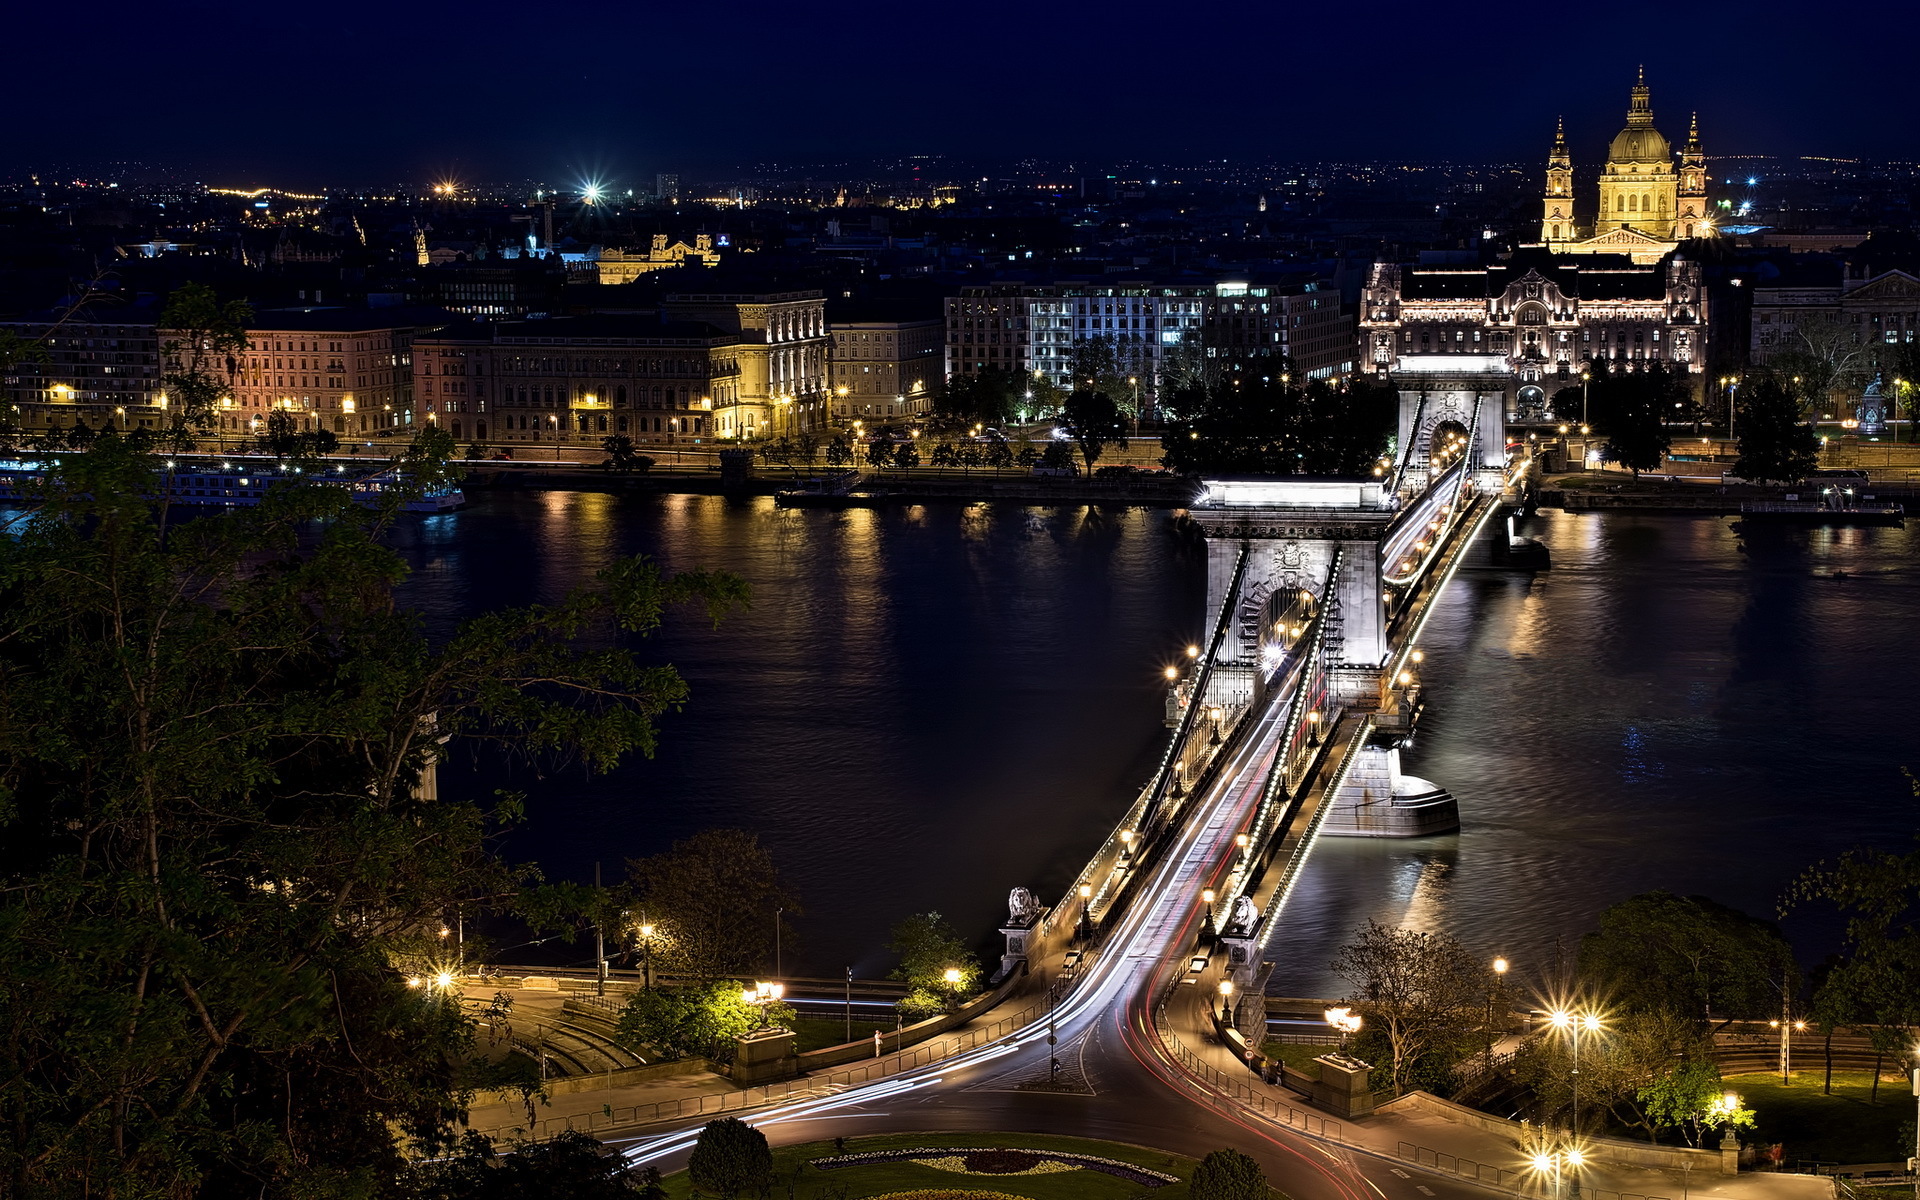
pixel 1647 203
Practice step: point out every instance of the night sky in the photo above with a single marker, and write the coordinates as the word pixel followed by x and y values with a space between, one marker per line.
pixel 339 93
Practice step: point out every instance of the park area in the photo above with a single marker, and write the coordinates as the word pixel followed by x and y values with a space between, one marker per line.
pixel 986 1166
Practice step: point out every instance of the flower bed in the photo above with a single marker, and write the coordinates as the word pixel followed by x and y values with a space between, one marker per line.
pixel 947 1194
pixel 1131 1172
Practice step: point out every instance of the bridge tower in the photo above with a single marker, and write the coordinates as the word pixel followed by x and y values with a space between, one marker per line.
pixel 1448 395
pixel 1293 530
pixel 1314 549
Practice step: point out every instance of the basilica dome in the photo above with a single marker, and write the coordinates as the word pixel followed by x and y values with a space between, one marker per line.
pixel 1640 144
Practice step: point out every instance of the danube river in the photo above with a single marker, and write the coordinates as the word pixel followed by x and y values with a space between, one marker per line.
pixel 928 706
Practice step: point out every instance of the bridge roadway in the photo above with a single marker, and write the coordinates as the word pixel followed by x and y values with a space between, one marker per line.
pixel 1125 1084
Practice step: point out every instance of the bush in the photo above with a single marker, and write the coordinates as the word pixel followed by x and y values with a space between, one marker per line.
pixel 730 1157
pixel 1227 1175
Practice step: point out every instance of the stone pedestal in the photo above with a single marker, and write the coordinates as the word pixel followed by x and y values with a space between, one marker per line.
pixel 1338 1084
pixel 1729 1154
pixel 1020 936
pixel 763 1056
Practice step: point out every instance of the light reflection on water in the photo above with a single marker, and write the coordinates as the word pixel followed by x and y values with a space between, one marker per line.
pixel 925 707
pixel 1671 706
pixel 928 706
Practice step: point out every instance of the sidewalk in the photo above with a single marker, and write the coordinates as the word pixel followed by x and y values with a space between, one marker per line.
pixel 1406 1131
pixel 601 1102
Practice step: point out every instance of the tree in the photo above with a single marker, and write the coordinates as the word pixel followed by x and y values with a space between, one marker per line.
pixel 1094 422
pixel 906 456
pixel 989 396
pixel 623 456
pixel 929 947
pixel 218 865
pixel 282 437
pixel 1631 410
pixel 714 899
pixel 1687 956
pixel 202 361
pixel 1095 367
pixel 571 1164
pixel 730 1157
pixel 839 452
pixel 1692 1100
pixel 999 455
pixel 1424 995
pixel 1058 456
pixel 1877 895
pixel 1775 445
pixel 701 1020
pixel 1820 353
pixel 1227 1175
pixel 879 452
pixel 1270 425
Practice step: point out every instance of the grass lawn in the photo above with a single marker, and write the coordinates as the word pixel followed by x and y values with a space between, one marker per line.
pixel 815 1033
pixel 1297 1057
pixel 1841 1128
pixel 790 1164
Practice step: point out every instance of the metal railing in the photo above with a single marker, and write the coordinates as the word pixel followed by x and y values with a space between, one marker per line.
pixel 805 1087
pixel 1312 1124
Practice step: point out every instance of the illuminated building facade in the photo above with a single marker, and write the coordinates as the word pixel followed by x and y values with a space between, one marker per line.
pixel 338 370
pixel 620 266
pixel 1544 315
pixel 1647 204
pixel 1038 328
pixel 575 381
pixel 781 350
pixel 883 371
pixel 105 372
pixel 1248 327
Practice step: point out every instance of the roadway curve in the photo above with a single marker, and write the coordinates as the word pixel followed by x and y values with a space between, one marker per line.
pixel 1128 1090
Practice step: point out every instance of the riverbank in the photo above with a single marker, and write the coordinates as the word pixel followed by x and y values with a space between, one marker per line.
pixel 880 488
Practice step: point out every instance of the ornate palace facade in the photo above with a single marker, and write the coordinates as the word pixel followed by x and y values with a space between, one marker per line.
pixel 1541 315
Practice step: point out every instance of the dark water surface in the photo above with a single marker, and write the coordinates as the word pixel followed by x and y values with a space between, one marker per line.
pixel 926 707
pixel 1674 705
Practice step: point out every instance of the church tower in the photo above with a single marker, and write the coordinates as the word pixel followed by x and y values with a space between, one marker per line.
pixel 1691 219
pixel 1637 189
pixel 1556 221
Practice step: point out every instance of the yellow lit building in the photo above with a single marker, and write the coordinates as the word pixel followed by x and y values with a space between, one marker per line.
pixel 1647 203
pixel 620 266
pixel 781 356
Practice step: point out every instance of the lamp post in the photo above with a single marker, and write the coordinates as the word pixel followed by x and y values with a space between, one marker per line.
pixel 762 995
pixel 646 955
pixel 1226 1001
pixel 1345 1021
pixel 1575 1024
pixel 1499 974
pixel 1787 1028
pixel 1585 378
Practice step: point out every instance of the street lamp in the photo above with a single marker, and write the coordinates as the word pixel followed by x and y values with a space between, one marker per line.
pixel 1226 1000
pixel 1499 973
pixel 762 995
pixel 1575 1024
pixel 646 955
pixel 1345 1021
pixel 1786 1047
